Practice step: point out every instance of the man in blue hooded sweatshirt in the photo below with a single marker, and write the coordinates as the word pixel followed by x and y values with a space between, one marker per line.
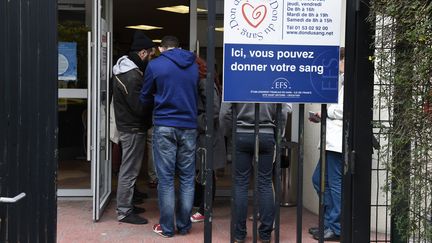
pixel 171 86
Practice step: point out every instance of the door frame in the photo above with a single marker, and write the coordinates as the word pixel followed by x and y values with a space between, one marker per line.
pixel 99 147
pixel 101 152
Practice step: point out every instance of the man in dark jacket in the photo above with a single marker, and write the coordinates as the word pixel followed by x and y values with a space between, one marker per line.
pixel 171 80
pixel 132 120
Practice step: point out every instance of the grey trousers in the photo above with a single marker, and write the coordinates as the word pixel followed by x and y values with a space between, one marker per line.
pixel 133 146
pixel 150 162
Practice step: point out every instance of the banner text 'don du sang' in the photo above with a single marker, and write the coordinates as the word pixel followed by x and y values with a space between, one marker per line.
pixel 281 51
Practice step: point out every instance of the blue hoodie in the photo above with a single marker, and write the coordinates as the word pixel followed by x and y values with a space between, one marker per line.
pixel 171 82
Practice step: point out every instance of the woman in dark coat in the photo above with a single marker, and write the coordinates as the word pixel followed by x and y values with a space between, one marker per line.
pixel 219 153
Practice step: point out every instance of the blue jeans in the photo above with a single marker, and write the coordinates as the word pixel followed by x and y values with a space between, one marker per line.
pixel 174 151
pixel 333 189
pixel 243 170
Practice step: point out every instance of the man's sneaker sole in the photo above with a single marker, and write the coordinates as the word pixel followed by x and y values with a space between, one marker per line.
pixel 196 220
pixel 159 232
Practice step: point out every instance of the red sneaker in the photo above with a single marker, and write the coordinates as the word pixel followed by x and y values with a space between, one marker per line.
pixel 158 230
pixel 197 217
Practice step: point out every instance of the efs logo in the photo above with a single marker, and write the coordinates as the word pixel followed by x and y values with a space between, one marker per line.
pixel 281 84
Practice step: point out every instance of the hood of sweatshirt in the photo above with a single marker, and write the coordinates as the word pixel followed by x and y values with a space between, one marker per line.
pixel 180 57
pixel 123 65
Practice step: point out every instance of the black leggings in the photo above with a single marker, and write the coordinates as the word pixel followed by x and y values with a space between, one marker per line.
pixel 200 192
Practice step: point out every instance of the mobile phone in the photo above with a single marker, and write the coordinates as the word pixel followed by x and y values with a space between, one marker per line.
pixel 313 116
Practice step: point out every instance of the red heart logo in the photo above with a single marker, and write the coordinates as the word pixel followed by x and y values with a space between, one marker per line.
pixel 254 15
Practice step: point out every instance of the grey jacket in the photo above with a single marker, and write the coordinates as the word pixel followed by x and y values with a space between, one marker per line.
pixel 246 117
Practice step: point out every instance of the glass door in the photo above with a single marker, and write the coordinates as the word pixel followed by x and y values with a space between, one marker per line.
pixel 74 169
pixel 100 106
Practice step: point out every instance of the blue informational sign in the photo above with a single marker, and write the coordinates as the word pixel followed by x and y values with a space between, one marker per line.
pixel 281 51
pixel 275 73
pixel 67 61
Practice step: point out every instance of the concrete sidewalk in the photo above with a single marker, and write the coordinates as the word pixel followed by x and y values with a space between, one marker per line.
pixel 75 224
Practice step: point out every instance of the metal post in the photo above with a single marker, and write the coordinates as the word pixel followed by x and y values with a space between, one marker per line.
pixel 255 164
pixel 300 174
pixel 208 198
pixel 95 118
pixel 233 166
pixel 357 130
pixel 278 170
pixel 323 166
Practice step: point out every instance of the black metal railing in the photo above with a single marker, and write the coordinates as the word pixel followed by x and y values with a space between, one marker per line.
pixel 277 173
pixel 386 117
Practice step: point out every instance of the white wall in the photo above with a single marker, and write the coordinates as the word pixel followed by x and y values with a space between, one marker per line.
pixel 380 217
pixel 311 156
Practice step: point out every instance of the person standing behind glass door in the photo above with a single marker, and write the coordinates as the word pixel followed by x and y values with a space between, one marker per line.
pixel 219 151
pixel 132 120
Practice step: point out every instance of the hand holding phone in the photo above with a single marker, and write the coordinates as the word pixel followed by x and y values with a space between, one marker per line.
pixel 314 117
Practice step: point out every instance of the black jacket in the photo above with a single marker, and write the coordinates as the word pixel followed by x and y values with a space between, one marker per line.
pixel 130 114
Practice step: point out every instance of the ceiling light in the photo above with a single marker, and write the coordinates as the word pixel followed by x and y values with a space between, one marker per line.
pixel 157 41
pixel 220 29
pixel 180 9
pixel 143 27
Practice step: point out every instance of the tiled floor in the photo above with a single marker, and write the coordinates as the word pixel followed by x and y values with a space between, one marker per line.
pixel 75 224
pixel 74 174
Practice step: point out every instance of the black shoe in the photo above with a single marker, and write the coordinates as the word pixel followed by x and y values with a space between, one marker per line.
pixel 141 195
pixel 183 232
pixel 264 241
pixel 138 210
pixel 313 230
pixel 329 235
pixel 134 219
pixel 136 200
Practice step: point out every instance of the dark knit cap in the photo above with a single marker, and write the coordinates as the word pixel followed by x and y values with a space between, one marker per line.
pixel 141 41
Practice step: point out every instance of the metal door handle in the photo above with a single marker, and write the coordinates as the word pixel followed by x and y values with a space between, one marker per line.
pixel 89 96
pixel 107 97
pixel 12 200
